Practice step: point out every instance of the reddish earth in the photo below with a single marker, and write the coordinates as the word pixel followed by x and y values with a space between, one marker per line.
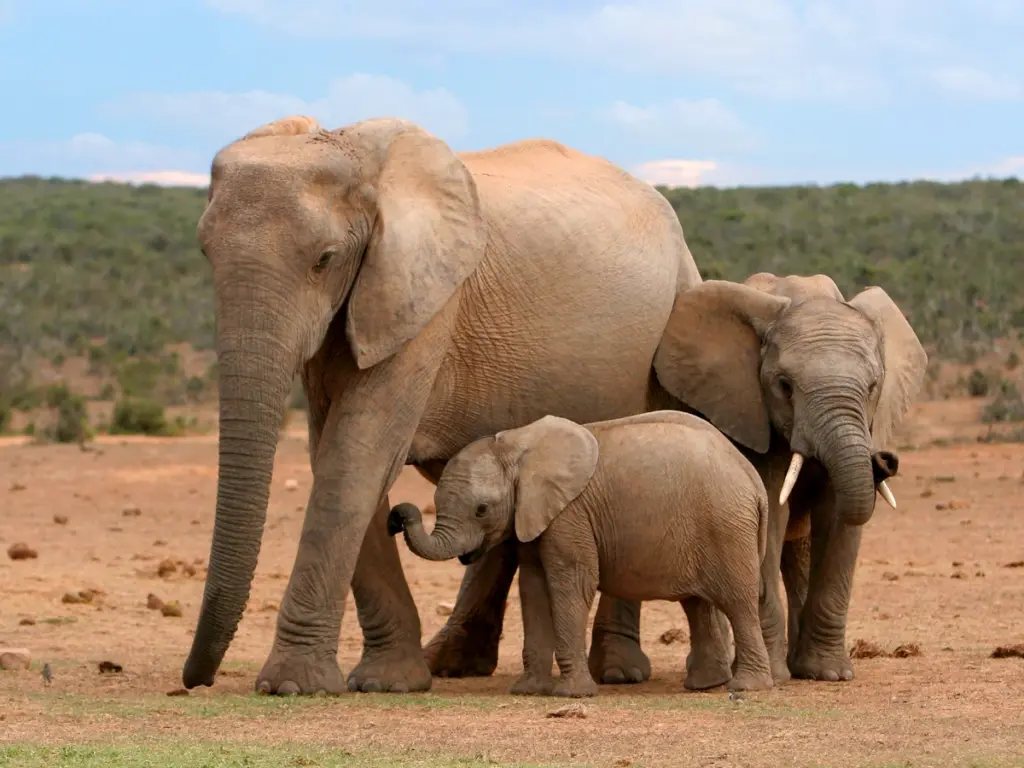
pixel 934 573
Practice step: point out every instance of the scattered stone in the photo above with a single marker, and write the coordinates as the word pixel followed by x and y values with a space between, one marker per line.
pixel 115 529
pixel 271 605
pixel 576 709
pixel 1009 652
pixel 77 597
pixel 1015 564
pixel 927 492
pixel 21 551
pixel 172 608
pixel 131 512
pixel 979 574
pixel 178 692
pixel 958 563
pixel 27 622
pixel 906 650
pixel 445 609
pixel 16 486
pixel 188 569
pixel 958 575
pixel 890 576
pixel 15 658
pixel 106 667
pixel 674 635
pixel 865 649
pixel 153 602
pixel 623 762
pixel 159 543
pixel 291 484
pixel 166 568
pixel 60 519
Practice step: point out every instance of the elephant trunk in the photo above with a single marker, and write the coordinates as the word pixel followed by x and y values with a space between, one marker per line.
pixel 443 543
pixel 255 374
pixel 844 449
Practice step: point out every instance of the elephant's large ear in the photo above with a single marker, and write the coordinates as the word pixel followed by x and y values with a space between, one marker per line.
pixel 904 364
pixel 428 237
pixel 556 459
pixel 796 287
pixel 710 356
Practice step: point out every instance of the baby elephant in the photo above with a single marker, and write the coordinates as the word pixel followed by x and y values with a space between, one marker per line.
pixel 659 506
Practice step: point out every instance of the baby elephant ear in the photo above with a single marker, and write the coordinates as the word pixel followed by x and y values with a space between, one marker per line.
pixel 555 460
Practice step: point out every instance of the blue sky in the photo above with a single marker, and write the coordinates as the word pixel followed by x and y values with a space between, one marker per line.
pixel 720 92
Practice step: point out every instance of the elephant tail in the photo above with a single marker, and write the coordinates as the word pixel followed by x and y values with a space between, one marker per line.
pixel 762 525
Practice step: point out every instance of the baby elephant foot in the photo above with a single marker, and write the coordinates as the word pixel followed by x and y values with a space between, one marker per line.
pixel 617 660
pixel 287 674
pixel 830 665
pixel 704 672
pixel 529 685
pixel 399 669
pixel 575 686
pixel 458 651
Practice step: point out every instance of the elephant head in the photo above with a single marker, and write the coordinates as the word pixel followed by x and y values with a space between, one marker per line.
pixel 371 228
pixel 833 377
pixel 516 482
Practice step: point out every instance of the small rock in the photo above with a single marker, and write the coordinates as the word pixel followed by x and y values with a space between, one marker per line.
pixel 131 512
pixel 188 569
pixel 445 609
pixel 27 622
pixel 159 543
pixel 1009 652
pixel 172 608
pixel 890 576
pixel 674 635
pixel 958 575
pixel 15 658
pixel 75 597
pixel 1015 564
pixel 21 551
pixel 958 563
pixel 271 605
pixel 166 568
pixel 865 649
pixel 575 709
pixel 906 650
pixel 291 484
pixel 107 667
pixel 60 519
pixel 153 602
pixel 178 692
pixel 16 486
pixel 927 492
pixel 115 529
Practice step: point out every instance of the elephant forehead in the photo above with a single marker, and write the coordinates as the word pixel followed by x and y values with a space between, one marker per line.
pixel 826 319
pixel 473 469
pixel 285 163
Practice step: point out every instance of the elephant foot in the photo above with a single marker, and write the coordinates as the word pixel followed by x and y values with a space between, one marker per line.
pixel 703 673
pixel 821 664
pixel 398 669
pixel 457 651
pixel 529 685
pixel 290 674
pixel 617 660
pixel 751 680
pixel 780 671
pixel 575 686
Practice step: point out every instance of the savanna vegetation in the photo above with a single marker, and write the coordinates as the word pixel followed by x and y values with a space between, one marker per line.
pixel 111 274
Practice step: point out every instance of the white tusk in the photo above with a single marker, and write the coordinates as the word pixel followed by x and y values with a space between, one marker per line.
pixel 883 489
pixel 794 471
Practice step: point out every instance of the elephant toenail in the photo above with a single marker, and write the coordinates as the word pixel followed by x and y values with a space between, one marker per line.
pixel 372 685
pixel 287 688
pixel 263 687
pixel 399 688
pixel 353 685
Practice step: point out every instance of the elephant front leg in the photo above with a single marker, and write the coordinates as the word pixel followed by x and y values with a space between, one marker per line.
pixel 392 659
pixel 820 652
pixel 773 620
pixel 467 645
pixel 538 627
pixel 796 567
pixel 615 654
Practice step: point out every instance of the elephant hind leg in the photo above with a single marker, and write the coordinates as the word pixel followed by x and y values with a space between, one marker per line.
pixel 615 654
pixel 709 663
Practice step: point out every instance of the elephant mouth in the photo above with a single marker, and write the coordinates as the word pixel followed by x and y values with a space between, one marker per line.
pixel 471 557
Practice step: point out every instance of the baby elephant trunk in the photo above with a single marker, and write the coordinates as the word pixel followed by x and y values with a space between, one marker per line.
pixel 443 543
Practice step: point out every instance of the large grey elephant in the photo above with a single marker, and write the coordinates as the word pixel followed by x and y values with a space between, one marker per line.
pixel 428 298
pixel 811 387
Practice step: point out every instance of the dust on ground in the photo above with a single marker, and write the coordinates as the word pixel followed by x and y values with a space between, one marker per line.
pixel 133 518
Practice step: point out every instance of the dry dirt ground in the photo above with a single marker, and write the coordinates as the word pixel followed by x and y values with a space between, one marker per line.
pixel 937 573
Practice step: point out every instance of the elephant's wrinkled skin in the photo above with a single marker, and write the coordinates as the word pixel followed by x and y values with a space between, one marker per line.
pixel 784 365
pixel 659 506
pixel 428 299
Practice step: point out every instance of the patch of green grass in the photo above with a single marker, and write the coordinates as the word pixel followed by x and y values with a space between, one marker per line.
pixel 222 755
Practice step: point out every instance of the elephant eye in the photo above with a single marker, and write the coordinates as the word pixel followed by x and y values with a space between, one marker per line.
pixel 323 261
pixel 785 387
pixel 481 510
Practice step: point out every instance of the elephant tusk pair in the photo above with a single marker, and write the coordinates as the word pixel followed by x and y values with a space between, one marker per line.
pixel 793 473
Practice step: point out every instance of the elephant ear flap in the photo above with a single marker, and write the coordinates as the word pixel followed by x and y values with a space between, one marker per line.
pixel 904 361
pixel 428 237
pixel 709 356
pixel 556 458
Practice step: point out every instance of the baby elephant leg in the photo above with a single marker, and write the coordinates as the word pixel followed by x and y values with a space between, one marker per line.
pixel 538 629
pixel 709 663
pixel 739 601
pixel 571 573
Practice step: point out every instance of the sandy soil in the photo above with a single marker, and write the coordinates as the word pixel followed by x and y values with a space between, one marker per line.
pixel 935 573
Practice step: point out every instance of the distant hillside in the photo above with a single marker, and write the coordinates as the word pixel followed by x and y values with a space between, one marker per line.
pixel 112 272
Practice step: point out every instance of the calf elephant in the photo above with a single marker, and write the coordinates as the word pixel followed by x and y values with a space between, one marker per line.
pixel 428 298
pixel 788 370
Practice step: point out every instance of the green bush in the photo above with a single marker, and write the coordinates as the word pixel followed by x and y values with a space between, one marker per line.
pixel 138 416
pixel 977 383
pixel 72 420
pixel 1008 405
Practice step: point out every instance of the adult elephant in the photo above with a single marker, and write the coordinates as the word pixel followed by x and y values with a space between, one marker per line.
pixel 428 298
pixel 811 387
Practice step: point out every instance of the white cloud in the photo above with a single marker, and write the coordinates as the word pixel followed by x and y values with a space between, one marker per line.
pixel 1003 168
pixel 695 126
pixel 160 178
pixel 348 99
pixel 675 173
pixel 91 154
pixel 976 84
pixel 824 50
